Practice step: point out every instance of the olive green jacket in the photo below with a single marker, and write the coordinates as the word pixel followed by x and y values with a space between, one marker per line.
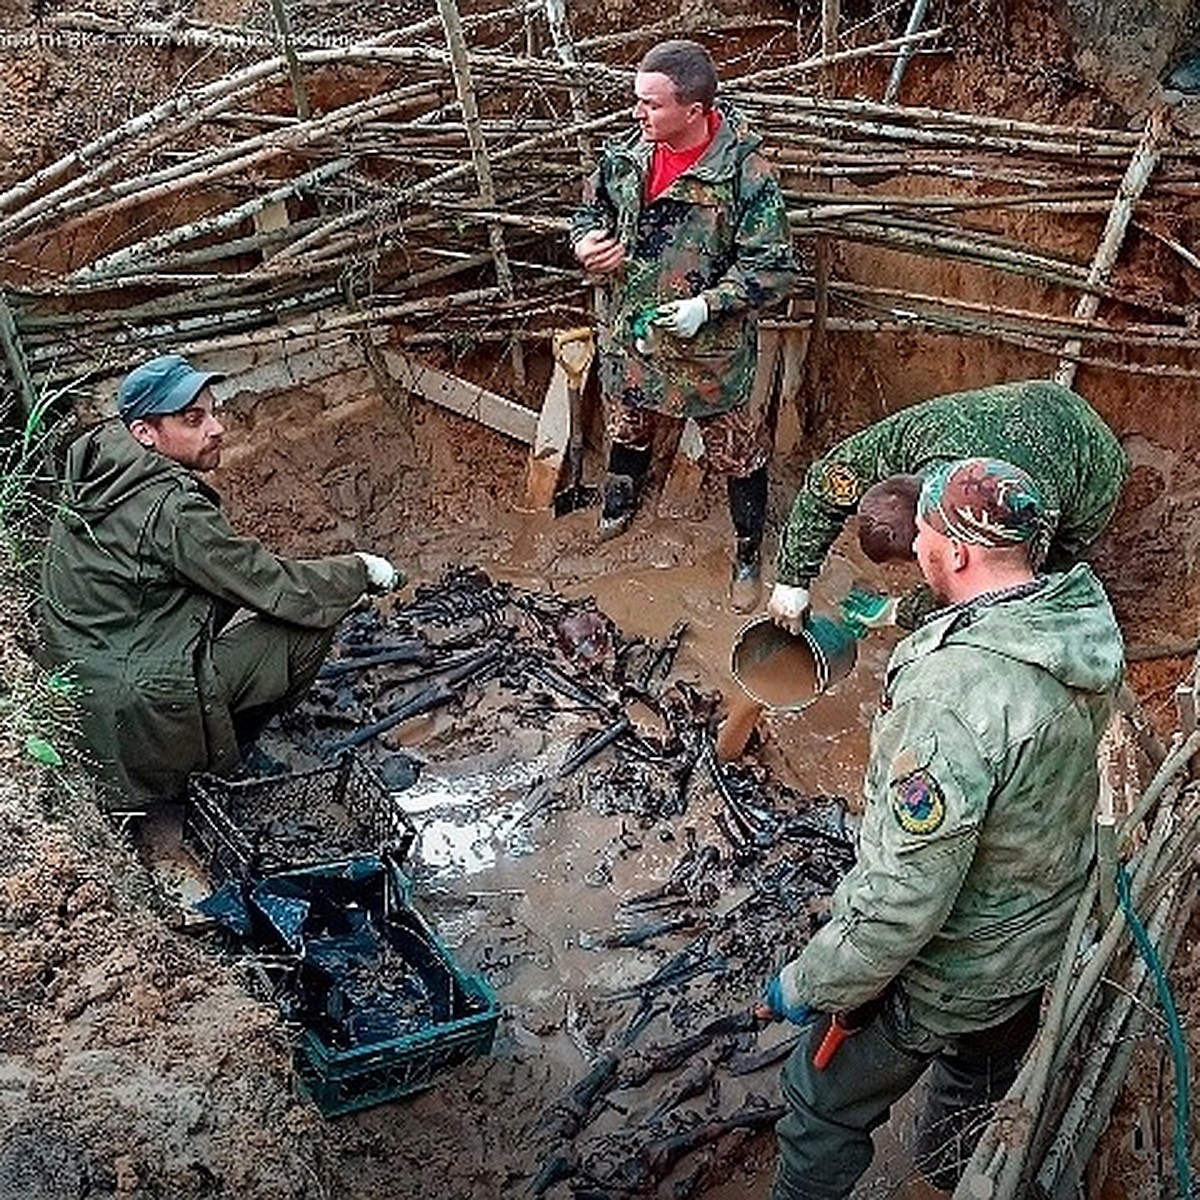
pixel 720 230
pixel 1041 426
pixel 977 834
pixel 141 573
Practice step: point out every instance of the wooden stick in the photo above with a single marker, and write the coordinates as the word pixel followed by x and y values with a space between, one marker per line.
pixel 455 39
pixel 560 36
pixel 299 91
pixel 1167 336
pixel 97 159
pixel 244 156
pixel 892 91
pixel 676 27
pixel 112 265
pixel 824 61
pixel 1132 186
pixel 440 180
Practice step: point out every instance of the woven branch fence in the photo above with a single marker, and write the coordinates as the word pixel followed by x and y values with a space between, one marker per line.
pixel 389 180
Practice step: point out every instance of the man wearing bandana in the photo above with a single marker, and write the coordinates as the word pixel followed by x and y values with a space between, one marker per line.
pixel 1039 425
pixel 976 840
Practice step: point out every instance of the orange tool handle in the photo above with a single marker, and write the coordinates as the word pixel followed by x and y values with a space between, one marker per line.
pixel 835 1035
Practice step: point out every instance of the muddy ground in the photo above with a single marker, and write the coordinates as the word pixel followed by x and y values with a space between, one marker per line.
pixel 135 1060
pixel 153 1073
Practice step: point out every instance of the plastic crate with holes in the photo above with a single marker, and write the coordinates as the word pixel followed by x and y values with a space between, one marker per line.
pixel 327 928
pixel 387 1007
pixel 257 827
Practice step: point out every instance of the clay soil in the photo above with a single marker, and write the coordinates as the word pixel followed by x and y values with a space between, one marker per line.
pixel 135 1060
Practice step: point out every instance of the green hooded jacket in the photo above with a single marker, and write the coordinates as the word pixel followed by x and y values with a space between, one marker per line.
pixel 720 230
pixel 981 790
pixel 141 572
pixel 1039 425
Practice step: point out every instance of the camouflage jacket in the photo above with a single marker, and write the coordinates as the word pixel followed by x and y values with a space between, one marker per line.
pixel 981 788
pixel 1039 425
pixel 720 230
pixel 141 573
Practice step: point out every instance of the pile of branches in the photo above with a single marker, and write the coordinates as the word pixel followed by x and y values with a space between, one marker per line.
pixel 417 183
pixel 1112 993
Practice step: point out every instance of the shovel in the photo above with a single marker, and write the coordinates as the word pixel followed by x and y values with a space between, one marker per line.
pixel 573 351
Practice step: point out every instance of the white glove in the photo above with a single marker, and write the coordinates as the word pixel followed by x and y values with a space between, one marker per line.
pixel 787 606
pixel 381 575
pixel 682 317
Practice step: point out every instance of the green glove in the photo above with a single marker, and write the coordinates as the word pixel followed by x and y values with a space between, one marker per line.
pixel 645 337
pixel 864 611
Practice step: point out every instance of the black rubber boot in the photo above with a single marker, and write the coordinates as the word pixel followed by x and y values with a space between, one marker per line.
pixel 627 466
pixel 748 511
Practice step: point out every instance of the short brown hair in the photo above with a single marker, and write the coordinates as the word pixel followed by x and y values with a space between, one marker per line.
pixel 688 66
pixel 887 518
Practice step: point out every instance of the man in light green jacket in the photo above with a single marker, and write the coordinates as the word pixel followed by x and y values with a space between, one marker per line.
pixel 976 841
pixel 184 637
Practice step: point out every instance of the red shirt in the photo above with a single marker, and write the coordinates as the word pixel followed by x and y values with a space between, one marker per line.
pixel 666 165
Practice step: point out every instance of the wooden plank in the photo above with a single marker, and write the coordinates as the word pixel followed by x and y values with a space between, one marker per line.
pixel 290 367
pixel 681 490
pixel 271 218
pixel 549 454
pixel 458 395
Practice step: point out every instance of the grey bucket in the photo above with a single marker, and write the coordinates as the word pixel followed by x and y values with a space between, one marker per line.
pixel 787 672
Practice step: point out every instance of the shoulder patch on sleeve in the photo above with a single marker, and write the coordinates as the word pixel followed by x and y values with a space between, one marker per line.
pixel 840 484
pixel 917 802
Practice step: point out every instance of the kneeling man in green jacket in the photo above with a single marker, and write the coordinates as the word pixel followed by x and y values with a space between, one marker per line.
pixel 184 637
pixel 976 841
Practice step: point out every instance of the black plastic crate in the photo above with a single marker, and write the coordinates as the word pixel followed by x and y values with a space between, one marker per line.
pixel 252 828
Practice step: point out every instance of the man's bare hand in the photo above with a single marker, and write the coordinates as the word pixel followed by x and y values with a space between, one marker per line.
pixel 599 252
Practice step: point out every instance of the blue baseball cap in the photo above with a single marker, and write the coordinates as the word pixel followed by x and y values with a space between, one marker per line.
pixel 167 384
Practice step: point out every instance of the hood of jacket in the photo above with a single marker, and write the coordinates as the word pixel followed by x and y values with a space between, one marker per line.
pixel 1066 627
pixel 106 466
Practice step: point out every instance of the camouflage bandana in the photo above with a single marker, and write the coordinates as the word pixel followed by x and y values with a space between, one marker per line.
pixel 982 501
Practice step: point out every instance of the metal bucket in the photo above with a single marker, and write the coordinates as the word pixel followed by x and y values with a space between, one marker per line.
pixel 785 671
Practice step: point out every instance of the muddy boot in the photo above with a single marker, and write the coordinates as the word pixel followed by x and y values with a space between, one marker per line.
pixel 745 586
pixel 620 499
pixel 748 511
pixel 626 467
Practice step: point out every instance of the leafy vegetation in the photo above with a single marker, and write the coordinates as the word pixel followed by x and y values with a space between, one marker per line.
pixel 36 712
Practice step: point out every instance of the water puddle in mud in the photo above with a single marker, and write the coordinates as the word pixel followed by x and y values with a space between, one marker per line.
pixel 467 822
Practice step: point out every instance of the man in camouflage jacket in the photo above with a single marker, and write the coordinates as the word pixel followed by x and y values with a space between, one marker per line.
pixel 183 637
pixel 686 221
pixel 1041 426
pixel 975 844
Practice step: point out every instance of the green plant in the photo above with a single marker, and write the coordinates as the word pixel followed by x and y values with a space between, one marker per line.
pixel 26 478
pixel 37 711
pixel 36 707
